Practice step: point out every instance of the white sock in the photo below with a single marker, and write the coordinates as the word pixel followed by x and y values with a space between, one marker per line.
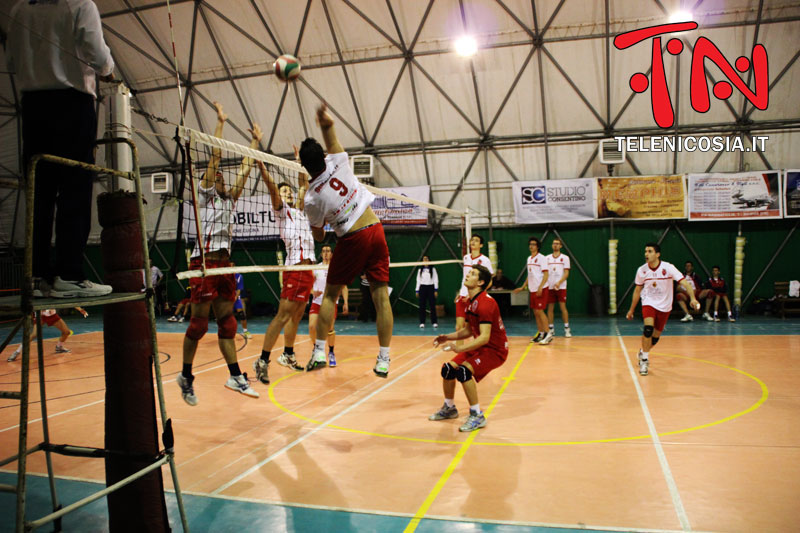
pixel 245 330
pixel 319 345
pixel 566 325
pixel 551 326
pixel 449 402
pixel 383 352
pixel 645 356
pixel 476 408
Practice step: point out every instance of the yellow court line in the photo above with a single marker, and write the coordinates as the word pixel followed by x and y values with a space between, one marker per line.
pixel 412 526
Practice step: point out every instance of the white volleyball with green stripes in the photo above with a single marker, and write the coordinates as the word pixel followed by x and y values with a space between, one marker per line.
pixel 287 67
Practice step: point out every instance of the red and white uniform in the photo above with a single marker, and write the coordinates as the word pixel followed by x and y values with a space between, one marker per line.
pixel 470 262
pixel 215 221
pixel 483 309
pixel 657 285
pixel 50 317
pixel 556 266
pixel 296 234
pixel 336 196
pixel 537 266
pixel 320 279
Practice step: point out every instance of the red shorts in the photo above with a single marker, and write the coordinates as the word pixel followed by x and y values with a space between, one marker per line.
pixel 462 302
pixel 297 285
pixel 184 301
pixel 483 360
pixel 556 295
pixel 50 320
pixel 362 251
pixel 540 302
pixel 659 316
pixel 212 287
pixel 315 311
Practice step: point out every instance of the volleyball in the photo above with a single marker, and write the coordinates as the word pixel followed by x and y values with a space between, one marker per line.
pixel 287 67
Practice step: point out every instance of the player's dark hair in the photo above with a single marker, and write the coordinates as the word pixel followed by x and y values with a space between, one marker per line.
pixel 537 241
pixel 480 237
pixel 483 275
pixel 654 245
pixel 689 263
pixel 716 266
pixel 312 156
pixel 559 240
pixel 285 184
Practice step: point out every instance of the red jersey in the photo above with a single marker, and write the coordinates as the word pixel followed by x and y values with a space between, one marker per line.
pixel 483 310
pixel 717 285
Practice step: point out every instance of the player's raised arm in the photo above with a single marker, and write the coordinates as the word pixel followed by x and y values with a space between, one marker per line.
pixel 302 183
pixel 247 163
pixel 325 122
pixel 274 194
pixel 213 164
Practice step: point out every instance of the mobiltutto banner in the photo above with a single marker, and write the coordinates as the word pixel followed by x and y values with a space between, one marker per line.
pixel 740 196
pixel 399 213
pixel 537 202
pixel 251 220
pixel 791 193
pixel 642 197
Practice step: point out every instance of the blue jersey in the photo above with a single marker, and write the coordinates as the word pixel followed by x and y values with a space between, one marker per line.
pixel 239 287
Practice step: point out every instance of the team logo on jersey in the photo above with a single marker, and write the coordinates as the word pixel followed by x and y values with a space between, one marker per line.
pixel 477 361
pixel 663 271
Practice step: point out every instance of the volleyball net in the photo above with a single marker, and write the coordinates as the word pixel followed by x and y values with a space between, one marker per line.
pixel 228 200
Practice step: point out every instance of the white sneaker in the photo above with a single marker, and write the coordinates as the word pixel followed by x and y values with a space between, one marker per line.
pixel 246 334
pixel 687 318
pixel 13 356
pixel 62 349
pixel 716 318
pixel 731 319
pixel 78 289
pixel 290 361
pixel 547 339
pixel 187 390
pixel 422 326
pixel 239 383
pixel 436 326
pixel 41 288
pixel 381 367
pixel 552 331
pixel 644 364
pixel 262 370
pixel 708 317
pixel 567 333
pixel 180 318
pixel 318 360
pixel 172 319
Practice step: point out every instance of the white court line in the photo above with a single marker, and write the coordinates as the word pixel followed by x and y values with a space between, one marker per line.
pixel 662 458
pixel 320 427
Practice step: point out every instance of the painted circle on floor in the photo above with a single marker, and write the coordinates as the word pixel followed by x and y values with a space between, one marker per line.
pixel 753 407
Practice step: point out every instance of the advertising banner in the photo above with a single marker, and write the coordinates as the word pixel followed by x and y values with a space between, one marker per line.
pixel 399 213
pixel 791 193
pixel 642 197
pixel 738 196
pixel 537 202
pixel 252 220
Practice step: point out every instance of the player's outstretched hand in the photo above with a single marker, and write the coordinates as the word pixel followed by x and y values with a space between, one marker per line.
pixel 256 132
pixel 629 316
pixel 324 118
pixel 221 116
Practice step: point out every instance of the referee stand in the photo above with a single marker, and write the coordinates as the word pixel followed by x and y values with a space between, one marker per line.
pixel 30 310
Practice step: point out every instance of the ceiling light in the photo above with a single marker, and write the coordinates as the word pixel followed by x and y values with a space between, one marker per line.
pixel 466 46
pixel 680 16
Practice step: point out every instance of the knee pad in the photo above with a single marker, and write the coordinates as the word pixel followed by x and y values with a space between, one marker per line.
pixel 197 328
pixel 448 372
pixel 239 313
pixel 648 331
pixel 655 340
pixel 226 327
pixel 463 374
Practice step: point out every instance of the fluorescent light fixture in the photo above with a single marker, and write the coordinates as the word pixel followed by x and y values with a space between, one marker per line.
pixel 680 16
pixel 466 46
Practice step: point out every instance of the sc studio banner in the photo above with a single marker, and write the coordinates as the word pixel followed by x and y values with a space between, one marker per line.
pixel 537 202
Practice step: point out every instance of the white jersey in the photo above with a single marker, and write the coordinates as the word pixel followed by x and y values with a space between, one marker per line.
pixel 470 262
pixel 556 266
pixel 657 285
pixel 215 221
pixel 296 234
pixel 336 196
pixel 320 279
pixel 537 266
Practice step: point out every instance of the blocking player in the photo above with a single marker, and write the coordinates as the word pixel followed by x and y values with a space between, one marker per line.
pixel 296 234
pixel 536 283
pixel 654 286
pixel 558 267
pixel 474 360
pixel 473 258
pixel 717 290
pixel 51 318
pixel 337 197
pixel 320 279
pixel 216 202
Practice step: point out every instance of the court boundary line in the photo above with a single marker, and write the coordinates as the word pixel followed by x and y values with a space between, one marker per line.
pixel 677 503
pixel 437 488
pixel 322 426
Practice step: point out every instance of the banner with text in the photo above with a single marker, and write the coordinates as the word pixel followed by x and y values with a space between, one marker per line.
pixel 644 197
pixel 739 196
pixel 398 213
pixel 537 202
pixel 252 220
pixel 791 193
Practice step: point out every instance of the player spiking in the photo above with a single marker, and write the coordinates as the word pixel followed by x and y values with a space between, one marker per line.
pixel 335 196
pixel 654 285
pixel 216 202
pixel 296 234
pixel 472 259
